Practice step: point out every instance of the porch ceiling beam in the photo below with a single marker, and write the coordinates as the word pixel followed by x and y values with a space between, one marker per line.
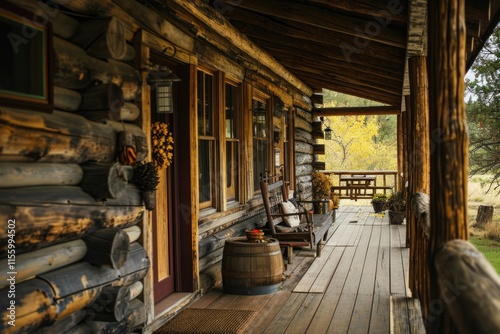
pixel 333 50
pixel 311 15
pixel 372 8
pixel 322 65
pixel 335 78
pixel 214 20
pixel 353 111
pixel 353 89
pixel 247 20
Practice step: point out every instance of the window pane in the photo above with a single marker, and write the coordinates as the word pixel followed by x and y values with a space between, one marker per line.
pixel 208 104
pixel 205 170
pixel 200 104
pixel 231 92
pixel 259 119
pixel 232 170
pixel 260 163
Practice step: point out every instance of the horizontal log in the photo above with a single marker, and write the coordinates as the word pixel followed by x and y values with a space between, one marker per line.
pixel 217 240
pixel 102 37
pixel 305 169
pixel 211 277
pixel 469 286
pixel 83 276
pixel 135 289
pixel 62 25
pixel 105 96
pixel 129 112
pixel 304 136
pixel 301 123
pixel 34 307
pixel 302 158
pixel 301 147
pixel 20 174
pixel 133 232
pixel 103 181
pixel 107 247
pixel 210 259
pixel 136 317
pixel 61 137
pixel 75 302
pixel 111 305
pixel 74 69
pixel 304 114
pixel 44 260
pixel 66 99
pixel 58 214
pixel 63 325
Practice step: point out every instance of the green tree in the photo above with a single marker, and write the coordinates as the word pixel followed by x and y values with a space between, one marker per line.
pixel 483 111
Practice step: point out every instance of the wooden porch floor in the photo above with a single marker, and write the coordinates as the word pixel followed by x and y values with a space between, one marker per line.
pixel 358 285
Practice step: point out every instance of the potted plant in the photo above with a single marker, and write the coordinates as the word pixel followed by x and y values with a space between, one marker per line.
pixel 378 202
pixel 321 188
pixel 396 204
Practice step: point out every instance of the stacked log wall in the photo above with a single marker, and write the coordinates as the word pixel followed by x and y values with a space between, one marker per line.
pixel 58 228
pixel 304 156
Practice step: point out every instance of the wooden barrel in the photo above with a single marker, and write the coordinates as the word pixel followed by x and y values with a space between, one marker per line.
pixel 252 268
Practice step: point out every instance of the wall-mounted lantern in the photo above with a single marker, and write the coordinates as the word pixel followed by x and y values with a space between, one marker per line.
pixel 160 78
pixel 328 133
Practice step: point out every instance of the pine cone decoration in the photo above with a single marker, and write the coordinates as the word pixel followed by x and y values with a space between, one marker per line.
pixel 145 176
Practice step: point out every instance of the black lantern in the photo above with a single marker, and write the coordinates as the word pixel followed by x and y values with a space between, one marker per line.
pixel 160 79
pixel 328 133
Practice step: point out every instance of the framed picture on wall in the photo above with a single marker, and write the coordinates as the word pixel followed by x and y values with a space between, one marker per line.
pixel 26 71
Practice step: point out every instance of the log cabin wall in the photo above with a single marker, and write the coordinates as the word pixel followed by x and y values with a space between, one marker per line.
pixel 70 198
pixel 71 218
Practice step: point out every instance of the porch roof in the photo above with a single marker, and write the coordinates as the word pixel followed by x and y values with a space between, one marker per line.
pixel 353 47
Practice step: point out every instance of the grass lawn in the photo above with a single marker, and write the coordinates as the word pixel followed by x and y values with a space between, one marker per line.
pixel 490 249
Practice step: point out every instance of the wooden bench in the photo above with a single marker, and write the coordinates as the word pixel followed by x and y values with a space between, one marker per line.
pixel 314 227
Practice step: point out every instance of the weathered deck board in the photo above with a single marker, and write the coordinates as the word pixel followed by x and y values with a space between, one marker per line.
pixel 380 319
pixel 358 285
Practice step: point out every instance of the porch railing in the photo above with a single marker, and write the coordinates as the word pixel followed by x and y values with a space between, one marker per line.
pixel 361 184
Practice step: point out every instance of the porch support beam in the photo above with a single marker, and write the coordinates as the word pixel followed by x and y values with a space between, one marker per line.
pixel 419 175
pixel 449 158
pixel 354 111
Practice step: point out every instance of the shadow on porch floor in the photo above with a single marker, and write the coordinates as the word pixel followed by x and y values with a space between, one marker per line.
pixel 358 285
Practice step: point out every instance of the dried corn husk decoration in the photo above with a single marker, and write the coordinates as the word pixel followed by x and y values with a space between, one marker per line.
pixel 127 154
pixel 162 144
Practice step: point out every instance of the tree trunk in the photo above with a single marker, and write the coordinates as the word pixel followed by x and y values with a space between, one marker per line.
pixel 484 215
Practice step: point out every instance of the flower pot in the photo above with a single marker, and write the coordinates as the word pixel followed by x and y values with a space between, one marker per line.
pixel 378 206
pixel 321 207
pixel 396 217
pixel 149 198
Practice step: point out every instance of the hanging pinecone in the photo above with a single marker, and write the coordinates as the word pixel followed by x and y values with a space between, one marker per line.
pixel 145 176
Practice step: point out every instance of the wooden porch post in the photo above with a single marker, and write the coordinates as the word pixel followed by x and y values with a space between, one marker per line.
pixel 449 141
pixel 400 142
pixel 408 174
pixel 419 175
